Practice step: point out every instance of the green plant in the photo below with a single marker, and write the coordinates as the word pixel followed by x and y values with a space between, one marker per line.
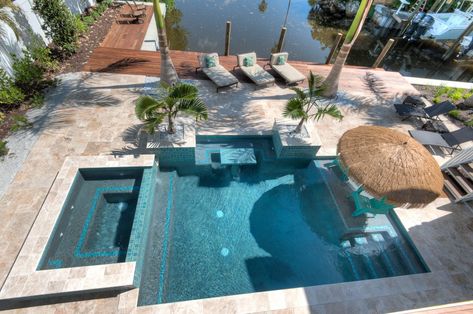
pixel 469 123
pixel 88 20
pixel 442 90
pixel 177 98
pixel 37 100
pixel 455 113
pixel 2 117
pixel 19 122
pixel 305 105
pixel 95 15
pixel 59 24
pixel 3 148
pixel 455 94
pixel 9 93
pixel 80 24
pixel 437 99
pixel 28 74
pixel 468 94
pixel 42 57
pixel 101 8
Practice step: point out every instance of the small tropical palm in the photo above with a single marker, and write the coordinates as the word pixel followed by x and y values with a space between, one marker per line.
pixel 305 106
pixel 178 98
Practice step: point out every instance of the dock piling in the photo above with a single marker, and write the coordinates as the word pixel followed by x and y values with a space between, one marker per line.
pixel 338 39
pixel 383 53
pixel 282 35
pixel 228 31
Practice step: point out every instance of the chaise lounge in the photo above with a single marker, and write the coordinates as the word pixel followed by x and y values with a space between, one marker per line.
pixel 209 64
pixel 278 62
pixel 408 110
pixel 247 63
pixel 365 205
pixel 450 141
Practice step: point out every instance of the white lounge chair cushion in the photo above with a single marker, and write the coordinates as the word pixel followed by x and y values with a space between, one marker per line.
pixel 275 56
pixel 220 76
pixel 288 73
pixel 203 63
pixel 241 58
pixel 258 75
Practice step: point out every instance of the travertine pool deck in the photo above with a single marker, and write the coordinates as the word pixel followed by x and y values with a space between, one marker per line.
pixel 95 116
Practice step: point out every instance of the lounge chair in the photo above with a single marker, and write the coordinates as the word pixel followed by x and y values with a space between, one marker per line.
pixel 278 62
pixel 365 204
pixel 247 63
pixel 209 64
pixel 451 140
pixel 407 110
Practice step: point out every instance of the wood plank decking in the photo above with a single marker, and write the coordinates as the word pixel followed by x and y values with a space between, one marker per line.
pixel 127 61
pixel 127 36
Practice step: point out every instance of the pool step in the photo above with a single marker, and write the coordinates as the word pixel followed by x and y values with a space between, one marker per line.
pixel 377 255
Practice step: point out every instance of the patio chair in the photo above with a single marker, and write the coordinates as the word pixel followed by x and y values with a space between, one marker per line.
pixel 364 205
pixel 450 141
pixel 407 110
pixel 278 62
pixel 210 65
pixel 247 63
pixel 135 13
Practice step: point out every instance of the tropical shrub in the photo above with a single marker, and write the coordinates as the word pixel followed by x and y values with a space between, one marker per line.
pixel 28 74
pixel 59 24
pixel 88 20
pixel 305 105
pixel 9 94
pixel 3 148
pixel 179 98
pixel 80 24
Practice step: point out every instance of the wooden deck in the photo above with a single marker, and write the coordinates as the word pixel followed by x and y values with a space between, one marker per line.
pixel 127 61
pixel 127 36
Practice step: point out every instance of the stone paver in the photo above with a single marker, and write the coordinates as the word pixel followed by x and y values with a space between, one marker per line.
pixel 97 118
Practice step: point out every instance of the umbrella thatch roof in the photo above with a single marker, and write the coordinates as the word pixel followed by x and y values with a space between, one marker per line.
pixel 392 164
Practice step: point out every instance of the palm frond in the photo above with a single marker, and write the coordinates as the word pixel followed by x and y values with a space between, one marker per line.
pixel 146 106
pixel 182 90
pixel 194 107
pixel 300 93
pixel 330 110
pixel 294 109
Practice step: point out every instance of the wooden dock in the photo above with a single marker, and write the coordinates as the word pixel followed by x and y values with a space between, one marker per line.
pixel 127 61
pixel 127 36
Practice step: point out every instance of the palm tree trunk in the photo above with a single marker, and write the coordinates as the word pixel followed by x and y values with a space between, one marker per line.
pixel 331 82
pixel 299 126
pixel 170 124
pixel 168 73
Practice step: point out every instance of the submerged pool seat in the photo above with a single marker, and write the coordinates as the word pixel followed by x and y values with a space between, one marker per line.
pixel 364 205
pixel 336 163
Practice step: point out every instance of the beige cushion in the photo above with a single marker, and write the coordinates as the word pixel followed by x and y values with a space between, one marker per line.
pixel 274 57
pixel 288 73
pixel 242 57
pixel 220 76
pixel 258 75
pixel 202 62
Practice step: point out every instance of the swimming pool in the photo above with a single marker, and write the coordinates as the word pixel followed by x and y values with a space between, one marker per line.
pixel 96 220
pixel 252 222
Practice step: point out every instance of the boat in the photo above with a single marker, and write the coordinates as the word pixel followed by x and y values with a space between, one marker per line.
pixel 448 26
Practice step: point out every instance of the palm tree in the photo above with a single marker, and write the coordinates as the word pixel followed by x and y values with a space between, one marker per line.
pixel 7 19
pixel 168 72
pixel 331 82
pixel 305 106
pixel 178 98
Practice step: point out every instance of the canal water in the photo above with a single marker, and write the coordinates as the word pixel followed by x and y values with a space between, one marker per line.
pixel 199 25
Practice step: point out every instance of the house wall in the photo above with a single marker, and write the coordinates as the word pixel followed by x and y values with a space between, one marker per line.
pixel 29 24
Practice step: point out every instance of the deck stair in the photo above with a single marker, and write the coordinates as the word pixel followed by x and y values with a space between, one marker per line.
pixel 458 181
pixel 373 255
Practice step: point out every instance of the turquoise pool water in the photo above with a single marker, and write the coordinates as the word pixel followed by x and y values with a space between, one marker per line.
pixel 96 221
pixel 219 229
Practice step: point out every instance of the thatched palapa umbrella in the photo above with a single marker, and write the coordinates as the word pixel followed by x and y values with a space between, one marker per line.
pixel 392 164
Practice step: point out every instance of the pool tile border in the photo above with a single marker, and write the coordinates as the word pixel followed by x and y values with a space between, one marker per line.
pixel 24 280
